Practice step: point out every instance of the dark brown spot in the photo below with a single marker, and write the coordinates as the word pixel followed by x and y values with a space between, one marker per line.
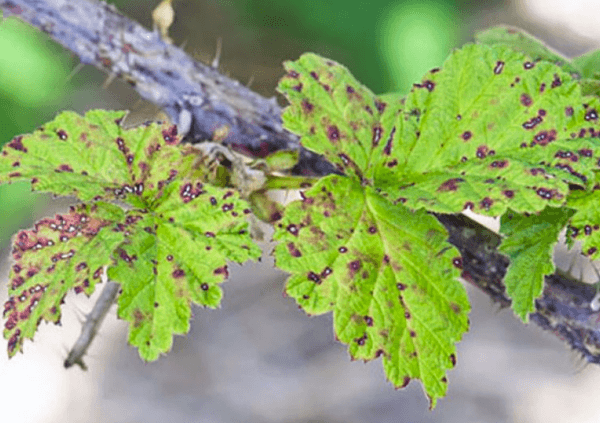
pixel 314 277
pixel 526 100
pixel 17 144
pixel 450 185
pixel 482 152
pixel 556 82
pixel 294 252
pixel 457 262
pixel 170 135
pixel 467 135
pixel 377 130
pixel 307 106
pixel 499 164
pixel 178 273
pixel 61 134
pixel 293 229
pixel 453 359
pixel 591 114
pixel 221 271
pixel 387 150
pixel 499 67
pixel 204 287
pixel 333 133
pixel 486 203
pixel 532 123
pixel 354 266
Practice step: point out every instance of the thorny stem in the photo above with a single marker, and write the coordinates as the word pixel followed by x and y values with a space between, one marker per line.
pixel 92 323
pixel 205 103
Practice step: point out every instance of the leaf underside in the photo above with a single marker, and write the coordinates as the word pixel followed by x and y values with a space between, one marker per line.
pixel 167 249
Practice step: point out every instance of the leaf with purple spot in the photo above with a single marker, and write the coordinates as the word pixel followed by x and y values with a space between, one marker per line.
pixel 172 244
pixel 92 157
pixel 529 241
pixel 59 254
pixel 335 114
pixel 584 226
pixel 486 132
pixel 387 274
pixel 177 255
pixel 489 133
pixel 519 40
pixel 583 68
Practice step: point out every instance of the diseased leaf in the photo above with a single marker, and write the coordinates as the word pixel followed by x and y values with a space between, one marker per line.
pixel 519 40
pixel 583 68
pixel 92 157
pixel 177 254
pixel 58 254
pixel 489 130
pixel 584 226
pixel 168 249
pixel 528 242
pixel 335 114
pixel 384 271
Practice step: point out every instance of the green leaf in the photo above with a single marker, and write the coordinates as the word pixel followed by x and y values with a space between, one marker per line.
pixel 92 157
pixel 584 68
pixel 588 65
pixel 488 131
pixel 585 224
pixel 61 253
pixel 281 160
pixel 175 255
pixel 169 249
pixel 519 40
pixel 528 242
pixel 335 114
pixel 385 272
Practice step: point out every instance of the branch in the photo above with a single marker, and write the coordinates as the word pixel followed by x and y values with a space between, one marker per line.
pixel 92 323
pixel 205 105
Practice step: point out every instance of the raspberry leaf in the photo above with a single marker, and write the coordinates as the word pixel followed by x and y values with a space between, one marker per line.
pixel 386 273
pixel 529 242
pixel 59 254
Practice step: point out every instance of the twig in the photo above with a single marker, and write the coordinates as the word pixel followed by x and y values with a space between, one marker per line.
pixel 92 324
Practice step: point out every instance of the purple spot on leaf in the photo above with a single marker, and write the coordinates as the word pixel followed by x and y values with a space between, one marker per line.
pixel 499 67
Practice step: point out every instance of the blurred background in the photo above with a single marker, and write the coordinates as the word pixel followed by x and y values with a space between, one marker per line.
pixel 259 358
